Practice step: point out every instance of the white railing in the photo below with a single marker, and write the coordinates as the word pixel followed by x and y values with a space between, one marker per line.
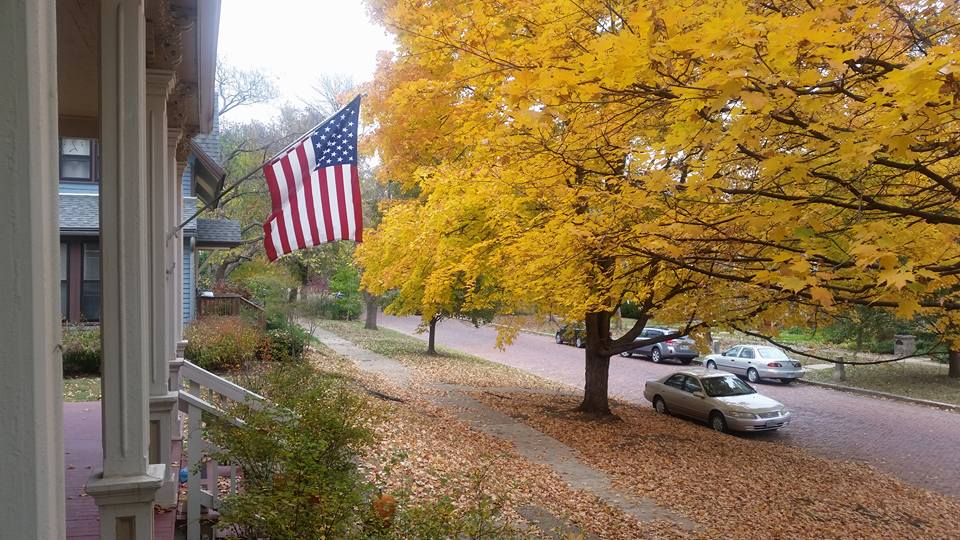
pixel 204 396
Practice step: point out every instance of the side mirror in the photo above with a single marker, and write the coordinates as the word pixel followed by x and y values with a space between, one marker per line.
pixel 699 394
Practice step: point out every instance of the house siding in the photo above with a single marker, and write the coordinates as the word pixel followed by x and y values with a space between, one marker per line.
pixel 188 281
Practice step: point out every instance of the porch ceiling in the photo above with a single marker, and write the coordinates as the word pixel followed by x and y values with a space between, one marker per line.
pixel 192 35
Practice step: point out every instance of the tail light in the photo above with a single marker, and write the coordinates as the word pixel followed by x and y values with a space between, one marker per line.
pixel 670 341
pixel 774 364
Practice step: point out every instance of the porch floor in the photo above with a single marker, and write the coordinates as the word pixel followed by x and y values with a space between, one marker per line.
pixel 83 454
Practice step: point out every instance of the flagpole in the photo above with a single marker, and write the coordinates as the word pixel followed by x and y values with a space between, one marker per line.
pixel 254 171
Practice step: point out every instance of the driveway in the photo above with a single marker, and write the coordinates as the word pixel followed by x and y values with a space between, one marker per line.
pixel 915 443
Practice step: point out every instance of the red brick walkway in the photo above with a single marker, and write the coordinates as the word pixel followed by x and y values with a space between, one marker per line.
pixel 82 455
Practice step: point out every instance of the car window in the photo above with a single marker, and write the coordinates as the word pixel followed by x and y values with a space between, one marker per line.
pixel 726 386
pixel 733 352
pixel 690 384
pixel 746 352
pixel 771 353
pixel 675 381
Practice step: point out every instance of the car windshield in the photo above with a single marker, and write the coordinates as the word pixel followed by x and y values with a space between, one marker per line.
pixel 772 353
pixel 726 386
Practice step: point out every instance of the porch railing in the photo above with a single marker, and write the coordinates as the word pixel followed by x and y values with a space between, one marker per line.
pixel 228 304
pixel 204 397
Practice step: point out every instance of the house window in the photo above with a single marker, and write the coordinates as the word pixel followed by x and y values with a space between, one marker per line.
pixel 90 282
pixel 64 281
pixel 77 160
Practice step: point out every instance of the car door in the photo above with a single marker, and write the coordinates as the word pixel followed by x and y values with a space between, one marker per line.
pixel 697 404
pixel 645 350
pixel 673 393
pixel 724 361
pixel 746 360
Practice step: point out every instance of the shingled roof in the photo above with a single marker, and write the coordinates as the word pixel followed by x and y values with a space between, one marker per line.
pixel 80 214
pixel 218 233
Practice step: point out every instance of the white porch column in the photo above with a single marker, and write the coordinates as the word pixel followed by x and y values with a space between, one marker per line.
pixel 163 402
pixel 126 487
pixel 31 424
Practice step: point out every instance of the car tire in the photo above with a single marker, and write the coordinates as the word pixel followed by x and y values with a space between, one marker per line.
pixel 656 356
pixel 579 343
pixel 788 381
pixel 711 364
pixel 717 422
pixel 660 406
pixel 559 338
pixel 753 376
pixel 626 354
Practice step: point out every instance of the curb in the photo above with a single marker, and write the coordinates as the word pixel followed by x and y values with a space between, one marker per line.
pixel 523 330
pixel 884 395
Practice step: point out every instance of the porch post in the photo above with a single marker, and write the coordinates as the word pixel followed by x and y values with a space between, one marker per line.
pixel 163 402
pixel 31 477
pixel 125 488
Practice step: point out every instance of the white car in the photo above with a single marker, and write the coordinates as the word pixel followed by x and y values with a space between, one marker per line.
pixel 756 362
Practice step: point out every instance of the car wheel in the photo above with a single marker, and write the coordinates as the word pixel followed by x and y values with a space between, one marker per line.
pixel 660 406
pixel 718 423
pixel 579 343
pixel 752 375
pixel 559 338
pixel 788 381
pixel 711 364
pixel 655 356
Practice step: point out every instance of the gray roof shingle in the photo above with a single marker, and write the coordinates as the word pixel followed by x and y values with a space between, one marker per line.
pixel 218 233
pixel 81 213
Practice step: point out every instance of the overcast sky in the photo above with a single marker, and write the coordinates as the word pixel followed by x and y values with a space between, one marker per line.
pixel 297 41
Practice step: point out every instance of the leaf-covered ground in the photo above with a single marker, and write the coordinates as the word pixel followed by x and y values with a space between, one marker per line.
pixel 923 381
pixel 81 389
pixel 736 487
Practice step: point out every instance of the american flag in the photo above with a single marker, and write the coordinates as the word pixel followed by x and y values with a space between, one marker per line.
pixel 315 187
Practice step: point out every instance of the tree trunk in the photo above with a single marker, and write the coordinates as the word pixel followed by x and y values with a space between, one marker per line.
pixel 371 305
pixel 293 294
pixel 432 338
pixel 954 372
pixel 597 368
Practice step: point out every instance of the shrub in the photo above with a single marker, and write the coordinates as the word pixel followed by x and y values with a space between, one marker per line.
pixel 284 341
pixel 218 343
pixel 301 475
pixel 343 308
pixel 81 350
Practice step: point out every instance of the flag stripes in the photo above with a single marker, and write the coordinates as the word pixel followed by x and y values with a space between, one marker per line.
pixel 315 188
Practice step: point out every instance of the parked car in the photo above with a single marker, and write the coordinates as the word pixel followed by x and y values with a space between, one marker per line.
pixel 757 362
pixel 573 334
pixel 721 399
pixel 681 348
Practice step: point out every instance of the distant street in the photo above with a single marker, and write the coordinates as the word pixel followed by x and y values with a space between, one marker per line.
pixel 915 443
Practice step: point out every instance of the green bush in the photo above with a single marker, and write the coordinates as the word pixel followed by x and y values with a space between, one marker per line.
pixel 331 307
pixel 299 461
pixel 285 340
pixel 81 350
pixel 219 343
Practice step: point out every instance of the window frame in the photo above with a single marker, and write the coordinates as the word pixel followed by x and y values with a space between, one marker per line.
pixel 83 279
pixel 93 160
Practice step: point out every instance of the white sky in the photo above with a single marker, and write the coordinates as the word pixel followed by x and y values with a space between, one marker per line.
pixel 297 41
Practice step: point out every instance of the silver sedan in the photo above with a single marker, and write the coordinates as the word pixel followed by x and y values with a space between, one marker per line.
pixel 757 362
pixel 718 398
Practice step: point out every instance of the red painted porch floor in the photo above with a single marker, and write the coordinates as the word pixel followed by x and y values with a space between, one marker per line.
pixel 83 454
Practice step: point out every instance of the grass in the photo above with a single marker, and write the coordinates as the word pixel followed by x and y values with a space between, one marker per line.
pixel 81 389
pixel 448 366
pixel 902 378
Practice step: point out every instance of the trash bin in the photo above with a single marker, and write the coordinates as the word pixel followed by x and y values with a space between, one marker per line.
pixel 904 344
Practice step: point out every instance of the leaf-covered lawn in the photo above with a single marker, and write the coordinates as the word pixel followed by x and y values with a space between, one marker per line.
pixel 902 378
pixel 81 389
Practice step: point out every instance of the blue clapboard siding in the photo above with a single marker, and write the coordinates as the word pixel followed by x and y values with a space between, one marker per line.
pixel 188 283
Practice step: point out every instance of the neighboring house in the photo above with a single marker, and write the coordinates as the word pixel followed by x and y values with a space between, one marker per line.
pixel 80 215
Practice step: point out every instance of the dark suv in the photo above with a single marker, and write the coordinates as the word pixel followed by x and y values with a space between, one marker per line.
pixel 573 334
pixel 681 349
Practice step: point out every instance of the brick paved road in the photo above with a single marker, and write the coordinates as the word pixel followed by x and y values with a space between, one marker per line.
pixel 918 444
